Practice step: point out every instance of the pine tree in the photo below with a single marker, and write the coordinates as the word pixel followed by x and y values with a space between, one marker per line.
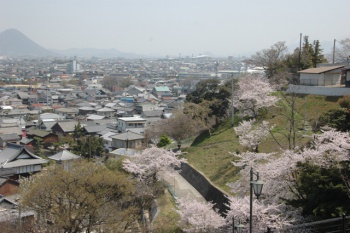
pixel 317 56
pixel 307 52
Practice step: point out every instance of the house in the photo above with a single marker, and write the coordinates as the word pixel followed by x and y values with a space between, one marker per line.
pixel 122 152
pixel 16 160
pixel 134 90
pixel 67 113
pixel 14 121
pixel 8 186
pixel 93 117
pixel 50 117
pixel 127 140
pixel 107 112
pixel 11 130
pixel 64 155
pixel 161 91
pixel 23 96
pixel 9 212
pixel 127 123
pixel 4 110
pixel 107 140
pixel 321 76
pixel 63 128
pixel 47 137
pixel 94 129
pixel 86 110
pixel 6 138
pixel 16 113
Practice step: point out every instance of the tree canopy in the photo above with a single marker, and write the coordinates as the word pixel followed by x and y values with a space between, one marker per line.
pixel 270 59
pixel 212 94
pixel 78 197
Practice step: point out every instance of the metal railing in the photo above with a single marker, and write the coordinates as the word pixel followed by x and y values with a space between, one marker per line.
pixel 334 225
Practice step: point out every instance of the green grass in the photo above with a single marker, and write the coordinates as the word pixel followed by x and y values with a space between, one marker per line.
pixel 167 219
pixel 213 155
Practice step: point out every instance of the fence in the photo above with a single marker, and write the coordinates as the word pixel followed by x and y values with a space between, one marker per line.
pixel 334 225
pixel 318 90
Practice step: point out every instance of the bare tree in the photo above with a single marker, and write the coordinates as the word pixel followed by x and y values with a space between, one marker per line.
pixel 270 59
pixel 344 51
pixel 181 126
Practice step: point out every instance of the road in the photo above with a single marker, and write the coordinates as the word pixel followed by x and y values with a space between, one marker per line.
pixel 179 187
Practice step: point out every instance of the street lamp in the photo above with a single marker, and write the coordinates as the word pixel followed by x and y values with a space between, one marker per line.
pixel 257 186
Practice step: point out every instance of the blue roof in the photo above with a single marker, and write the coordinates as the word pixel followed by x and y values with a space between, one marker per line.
pixel 162 88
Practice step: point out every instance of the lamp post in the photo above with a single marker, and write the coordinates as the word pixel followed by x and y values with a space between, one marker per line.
pixel 257 186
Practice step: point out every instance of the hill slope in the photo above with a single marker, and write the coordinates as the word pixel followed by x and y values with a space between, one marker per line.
pixel 212 156
pixel 13 43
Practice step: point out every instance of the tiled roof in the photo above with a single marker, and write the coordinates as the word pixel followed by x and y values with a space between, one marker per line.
pixel 10 130
pixel 128 136
pixel 95 128
pixel 8 157
pixel 9 137
pixel 37 132
pixel 64 155
pixel 67 126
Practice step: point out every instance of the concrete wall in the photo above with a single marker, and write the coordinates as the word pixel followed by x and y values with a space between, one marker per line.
pixel 204 187
pixel 317 90
pixel 311 79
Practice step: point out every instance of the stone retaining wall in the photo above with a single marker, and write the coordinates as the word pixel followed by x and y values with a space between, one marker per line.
pixel 205 188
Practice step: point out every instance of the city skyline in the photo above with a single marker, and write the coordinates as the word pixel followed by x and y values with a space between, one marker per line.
pixel 157 27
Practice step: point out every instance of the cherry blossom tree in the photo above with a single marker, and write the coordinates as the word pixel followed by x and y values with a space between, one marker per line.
pixel 278 171
pixel 251 135
pixel 264 215
pixel 254 93
pixel 151 162
pixel 198 216
pixel 148 166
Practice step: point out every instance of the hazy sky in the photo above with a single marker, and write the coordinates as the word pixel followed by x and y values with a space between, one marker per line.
pixel 180 26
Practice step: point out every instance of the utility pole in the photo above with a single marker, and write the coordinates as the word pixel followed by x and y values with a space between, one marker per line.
pixel 334 50
pixel 232 106
pixel 299 65
pixel 89 138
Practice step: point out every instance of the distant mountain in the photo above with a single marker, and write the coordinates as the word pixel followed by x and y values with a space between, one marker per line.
pixel 14 43
pixel 91 52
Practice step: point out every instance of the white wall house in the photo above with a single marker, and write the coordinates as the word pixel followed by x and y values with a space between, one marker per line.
pixel 127 140
pixel 126 123
pixel 321 76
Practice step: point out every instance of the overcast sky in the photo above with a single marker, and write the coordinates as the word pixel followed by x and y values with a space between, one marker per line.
pixel 186 27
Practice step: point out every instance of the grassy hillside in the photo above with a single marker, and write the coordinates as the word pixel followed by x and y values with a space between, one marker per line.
pixel 212 155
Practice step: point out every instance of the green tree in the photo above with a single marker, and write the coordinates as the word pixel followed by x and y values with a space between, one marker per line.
pixel 338 119
pixel 317 56
pixel 311 54
pixel 344 102
pixel 78 131
pixel 307 52
pixel 164 141
pixel 211 94
pixel 320 192
pixel 38 145
pixel 89 147
pixel 81 197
